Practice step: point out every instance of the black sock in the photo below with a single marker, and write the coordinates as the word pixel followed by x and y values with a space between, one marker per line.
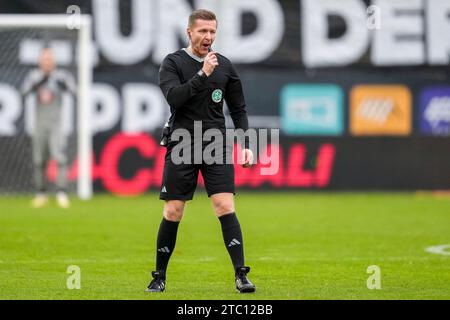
pixel 167 236
pixel 232 237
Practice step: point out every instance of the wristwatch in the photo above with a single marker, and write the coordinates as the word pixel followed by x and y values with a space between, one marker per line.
pixel 202 74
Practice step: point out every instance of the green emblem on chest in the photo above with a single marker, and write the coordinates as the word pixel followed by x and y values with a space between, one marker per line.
pixel 217 95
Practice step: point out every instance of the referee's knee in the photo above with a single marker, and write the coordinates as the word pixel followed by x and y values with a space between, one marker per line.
pixel 173 210
pixel 223 208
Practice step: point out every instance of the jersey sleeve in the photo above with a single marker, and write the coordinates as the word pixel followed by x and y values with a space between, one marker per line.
pixel 234 97
pixel 66 81
pixel 176 93
pixel 31 82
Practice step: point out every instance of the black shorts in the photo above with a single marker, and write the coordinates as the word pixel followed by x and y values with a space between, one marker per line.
pixel 180 180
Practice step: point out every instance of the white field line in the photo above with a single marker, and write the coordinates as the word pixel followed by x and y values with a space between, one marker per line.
pixel 210 259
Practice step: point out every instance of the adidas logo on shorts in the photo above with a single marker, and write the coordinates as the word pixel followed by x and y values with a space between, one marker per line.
pixel 164 189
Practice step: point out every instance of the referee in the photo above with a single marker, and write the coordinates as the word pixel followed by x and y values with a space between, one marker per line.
pixel 48 140
pixel 195 81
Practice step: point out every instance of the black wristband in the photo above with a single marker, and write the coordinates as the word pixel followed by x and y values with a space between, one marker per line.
pixel 202 74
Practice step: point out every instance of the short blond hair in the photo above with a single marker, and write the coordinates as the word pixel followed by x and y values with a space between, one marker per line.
pixel 201 14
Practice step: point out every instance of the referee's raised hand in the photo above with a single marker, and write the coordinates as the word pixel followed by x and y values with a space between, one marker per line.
pixel 210 63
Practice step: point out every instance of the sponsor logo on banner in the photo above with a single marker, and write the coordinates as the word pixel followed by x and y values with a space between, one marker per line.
pixel 380 110
pixel 312 109
pixel 296 167
pixel 435 111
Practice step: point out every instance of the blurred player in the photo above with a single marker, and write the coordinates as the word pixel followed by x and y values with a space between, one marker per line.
pixel 48 139
pixel 195 82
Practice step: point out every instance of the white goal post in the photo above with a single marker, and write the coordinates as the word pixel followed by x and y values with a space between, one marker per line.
pixel 84 68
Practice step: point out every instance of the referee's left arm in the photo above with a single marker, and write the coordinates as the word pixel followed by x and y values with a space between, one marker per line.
pixel 234 97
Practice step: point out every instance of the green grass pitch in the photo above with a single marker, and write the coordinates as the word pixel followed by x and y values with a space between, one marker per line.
pixel 299 245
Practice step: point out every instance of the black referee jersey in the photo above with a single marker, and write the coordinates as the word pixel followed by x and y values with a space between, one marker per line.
pixel 192 97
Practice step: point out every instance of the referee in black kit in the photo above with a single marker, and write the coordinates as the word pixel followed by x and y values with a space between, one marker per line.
pixel 194 81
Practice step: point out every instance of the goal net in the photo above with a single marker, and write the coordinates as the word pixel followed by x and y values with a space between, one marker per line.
pixel 22 114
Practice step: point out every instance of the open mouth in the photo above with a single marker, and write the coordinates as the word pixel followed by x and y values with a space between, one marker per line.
pixel 206 46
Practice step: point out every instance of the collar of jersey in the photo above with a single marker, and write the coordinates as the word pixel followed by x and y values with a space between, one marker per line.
pixel 198 59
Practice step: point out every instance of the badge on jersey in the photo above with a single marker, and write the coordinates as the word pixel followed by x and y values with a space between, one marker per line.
pixel 217 95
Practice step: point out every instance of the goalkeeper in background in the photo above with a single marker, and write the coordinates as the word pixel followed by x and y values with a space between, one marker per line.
pixel 48 140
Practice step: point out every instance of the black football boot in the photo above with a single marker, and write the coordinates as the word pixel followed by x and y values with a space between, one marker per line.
pixel 158 284
pixel 243 285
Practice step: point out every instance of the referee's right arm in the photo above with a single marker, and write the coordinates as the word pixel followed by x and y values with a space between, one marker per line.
pixel 178 94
